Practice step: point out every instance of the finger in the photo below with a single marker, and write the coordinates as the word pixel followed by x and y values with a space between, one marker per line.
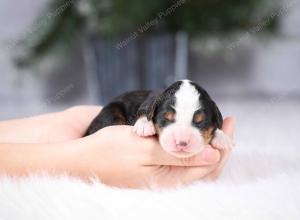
pixel 216 173
pixel 207 157
pixel 229 126
pixel 172 176
pixel 192 174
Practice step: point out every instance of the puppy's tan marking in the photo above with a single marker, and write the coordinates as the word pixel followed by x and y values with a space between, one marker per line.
pixel 199 117
pixel 169 116
pixel 207 135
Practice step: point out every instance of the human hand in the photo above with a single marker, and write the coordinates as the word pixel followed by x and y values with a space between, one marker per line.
pixel 120 158
pixel 54 144
pixel 228 128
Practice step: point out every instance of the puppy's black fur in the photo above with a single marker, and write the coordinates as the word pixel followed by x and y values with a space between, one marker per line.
pixel 122 110
pixel 210 108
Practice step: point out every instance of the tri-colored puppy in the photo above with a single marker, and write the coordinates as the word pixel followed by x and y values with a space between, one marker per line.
pixel 183 116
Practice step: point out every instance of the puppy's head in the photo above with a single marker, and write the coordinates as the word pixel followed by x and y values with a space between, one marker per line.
pixel 185 118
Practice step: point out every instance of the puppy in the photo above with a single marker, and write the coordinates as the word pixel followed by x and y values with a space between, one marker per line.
pixel 183 116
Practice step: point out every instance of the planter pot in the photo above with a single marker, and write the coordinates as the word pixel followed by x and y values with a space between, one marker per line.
pixel 149 61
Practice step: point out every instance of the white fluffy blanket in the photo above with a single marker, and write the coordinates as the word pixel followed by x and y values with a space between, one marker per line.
pixel 261 181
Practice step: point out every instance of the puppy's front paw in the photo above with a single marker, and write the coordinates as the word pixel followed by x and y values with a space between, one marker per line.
pixel 144 128
pixel 221 140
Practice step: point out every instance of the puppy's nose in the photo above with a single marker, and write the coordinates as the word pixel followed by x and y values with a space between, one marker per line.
pixel 183 143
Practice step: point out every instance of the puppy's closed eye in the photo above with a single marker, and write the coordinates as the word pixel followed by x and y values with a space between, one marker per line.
pixel 198 117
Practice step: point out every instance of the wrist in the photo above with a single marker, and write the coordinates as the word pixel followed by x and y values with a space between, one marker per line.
pixel 89 157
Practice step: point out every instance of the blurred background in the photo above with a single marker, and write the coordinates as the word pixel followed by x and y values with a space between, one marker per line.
pixel 59 53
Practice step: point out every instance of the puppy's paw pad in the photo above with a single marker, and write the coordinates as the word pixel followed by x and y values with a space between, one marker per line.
pixel 144 128
pixel 221 140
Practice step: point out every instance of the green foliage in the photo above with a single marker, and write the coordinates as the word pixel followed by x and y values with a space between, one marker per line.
pixel 72 19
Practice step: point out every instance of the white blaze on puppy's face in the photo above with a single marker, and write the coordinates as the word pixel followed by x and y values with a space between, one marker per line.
pixel 181 138
pixel 186 103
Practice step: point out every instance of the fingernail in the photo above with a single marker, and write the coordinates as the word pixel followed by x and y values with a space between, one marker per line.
pixel 210 155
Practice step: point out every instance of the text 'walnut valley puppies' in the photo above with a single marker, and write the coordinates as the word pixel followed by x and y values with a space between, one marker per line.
pixel 183 116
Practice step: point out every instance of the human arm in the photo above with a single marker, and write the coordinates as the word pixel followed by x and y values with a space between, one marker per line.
pixel 127 161
pixel 49 128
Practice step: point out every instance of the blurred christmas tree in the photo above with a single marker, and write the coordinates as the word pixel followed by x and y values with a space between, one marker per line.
pixel 64 22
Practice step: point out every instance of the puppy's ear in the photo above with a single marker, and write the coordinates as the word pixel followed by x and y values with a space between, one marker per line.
pixel 217 118
pixel 149 106
pixel 152 106
pixel 216 115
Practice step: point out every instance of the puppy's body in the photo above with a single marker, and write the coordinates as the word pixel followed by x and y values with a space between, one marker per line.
pixel 122 110
pixel 183 116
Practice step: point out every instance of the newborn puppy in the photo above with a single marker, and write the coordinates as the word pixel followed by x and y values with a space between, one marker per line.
pixel 183 116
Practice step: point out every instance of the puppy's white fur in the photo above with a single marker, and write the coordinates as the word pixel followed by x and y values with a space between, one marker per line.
pixel 186 103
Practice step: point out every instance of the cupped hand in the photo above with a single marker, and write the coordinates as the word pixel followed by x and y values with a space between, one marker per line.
pixel 120 158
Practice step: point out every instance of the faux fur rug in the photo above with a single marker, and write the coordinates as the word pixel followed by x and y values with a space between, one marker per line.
pixel 261 181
